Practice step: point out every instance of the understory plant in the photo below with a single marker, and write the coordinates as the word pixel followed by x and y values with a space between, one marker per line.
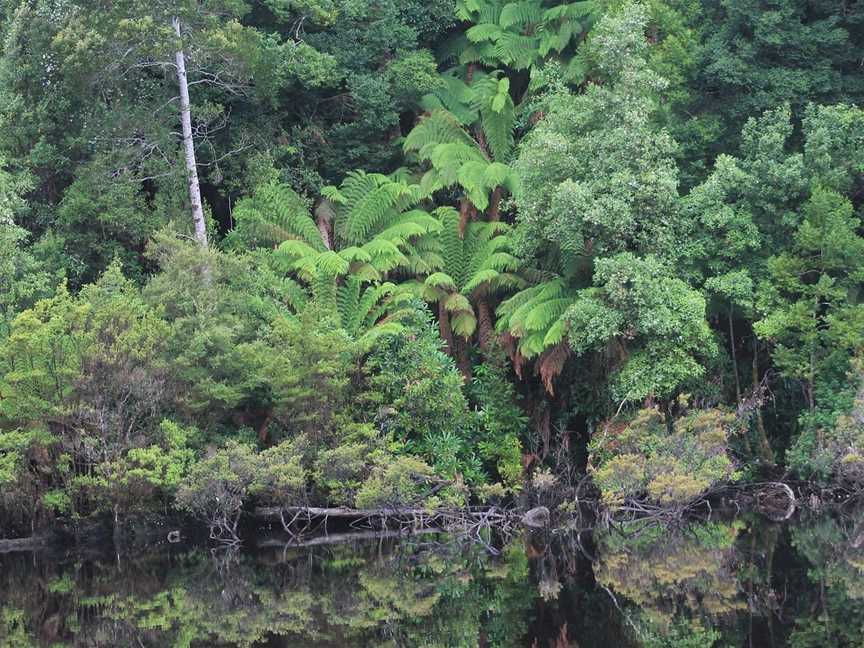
pixel 665 462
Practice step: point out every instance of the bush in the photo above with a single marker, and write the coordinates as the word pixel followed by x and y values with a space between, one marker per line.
pixel 425 409
pixel 837 451
pixel 217 486
pixel 644 459
pixel 404 482
pixel 280 478
pixel 503 424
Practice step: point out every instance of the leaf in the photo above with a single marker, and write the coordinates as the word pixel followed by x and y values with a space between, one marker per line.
pixel 464 324
pixel 440 280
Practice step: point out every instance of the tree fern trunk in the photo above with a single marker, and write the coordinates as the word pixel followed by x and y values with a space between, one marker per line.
pixel 485 324
pixel 494 211
pixel 462 359
pixel 467 212
pixel 444 328
pixel 322 220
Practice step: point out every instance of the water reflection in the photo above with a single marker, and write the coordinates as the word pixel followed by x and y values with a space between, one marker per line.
pixel 711 583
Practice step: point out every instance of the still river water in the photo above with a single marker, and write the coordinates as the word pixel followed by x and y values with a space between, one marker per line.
pixel 738 582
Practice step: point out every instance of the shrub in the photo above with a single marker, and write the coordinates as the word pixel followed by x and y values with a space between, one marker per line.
pixel 280 479
pixel 502 422
pixel 217 486
pixel 341 471
pixel 404 482
pixel 644 458
pixel 420 389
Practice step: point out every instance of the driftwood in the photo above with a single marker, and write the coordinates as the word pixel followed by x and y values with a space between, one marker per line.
pixel 777 501
pixel 537 518
pixel 22 544
pixel 339 538
pixel 299 520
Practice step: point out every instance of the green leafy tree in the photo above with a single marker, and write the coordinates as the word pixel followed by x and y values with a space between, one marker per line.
pixel 422 406
pixel 811 314
pixel 597 173
pixel 653 322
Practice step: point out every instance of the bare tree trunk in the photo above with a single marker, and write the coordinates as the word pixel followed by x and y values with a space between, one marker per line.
pixel 189 144
pixel 765 451
pixel 734 357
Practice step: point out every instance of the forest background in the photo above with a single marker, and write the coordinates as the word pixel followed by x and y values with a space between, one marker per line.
pixel 425 253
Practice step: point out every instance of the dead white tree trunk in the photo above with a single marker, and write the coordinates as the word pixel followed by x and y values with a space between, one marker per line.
pixel 189 144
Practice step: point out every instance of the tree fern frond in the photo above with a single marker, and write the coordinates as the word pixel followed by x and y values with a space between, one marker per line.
pixel 543 315
pixel 484 32
pixel 440 127
pixel 457 302
pixel 333 194
pixel 498 127
pixel 365 272
pixel 497 174
pixel 471 176
pixel 332 264
pixel 296 249
pixel 573 10
pixel 275 213
pixel 480 278
pixel 464 323
pixel 440 280
pixel 531 345
pixel 506 308
pixel 516 50
pixel 555 333
pixel 521 14
pixel 354 253
pixel 370 338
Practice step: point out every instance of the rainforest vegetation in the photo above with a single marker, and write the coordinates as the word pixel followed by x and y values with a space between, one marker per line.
pixel 425 253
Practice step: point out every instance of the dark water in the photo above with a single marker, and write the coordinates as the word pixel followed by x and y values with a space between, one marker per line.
pixel 733 583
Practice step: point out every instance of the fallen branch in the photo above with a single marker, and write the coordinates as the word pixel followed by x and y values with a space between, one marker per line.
pixel 339 538
pixel 22 544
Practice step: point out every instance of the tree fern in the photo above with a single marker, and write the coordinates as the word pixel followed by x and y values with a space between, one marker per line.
pixel 455 96
pixel 491 98
pixel 519 34
pixel 273 213
pixel 440 127
pixel 535 316
pixel 521 13
pixel 456 158
pixel 475 263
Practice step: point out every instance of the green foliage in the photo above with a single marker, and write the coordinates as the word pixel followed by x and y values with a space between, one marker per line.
pixel 503 424
pixel 658 318
pixel 811 314
pixel 310 375
pixel 517 160
pixel 597 172
pixel 215 488
pixel 669 465
pixel 476 263
pixel 402 482
pixel 521 34
pixel 835 451
pixel 218 307
pixel 23 278
pixel 424 409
